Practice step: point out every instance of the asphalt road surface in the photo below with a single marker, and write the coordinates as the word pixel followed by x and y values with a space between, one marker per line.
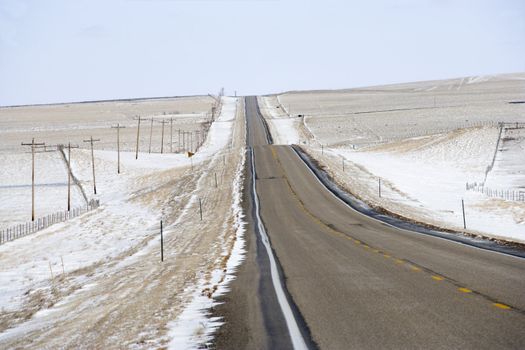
pixel 356 283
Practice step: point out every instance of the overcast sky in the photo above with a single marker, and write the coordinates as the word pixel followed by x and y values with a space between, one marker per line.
pixel 58 51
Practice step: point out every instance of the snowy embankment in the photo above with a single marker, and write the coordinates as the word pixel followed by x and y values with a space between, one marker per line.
pixel 283 127
pixel 193 327
pixel 424 178
pixel 83 269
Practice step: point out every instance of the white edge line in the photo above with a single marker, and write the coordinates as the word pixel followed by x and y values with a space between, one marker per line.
pixel 293 329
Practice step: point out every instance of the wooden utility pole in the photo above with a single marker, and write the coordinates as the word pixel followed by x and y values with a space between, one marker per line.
pixel 118 127
pixel 162 137
pixel 150 135
pixel 69 175
pixel 138 133
pixel 178 144
pixel 171 135
pixel 33 145
pixel 91 140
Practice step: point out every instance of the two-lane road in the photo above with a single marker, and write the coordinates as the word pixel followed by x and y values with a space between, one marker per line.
pixel 357 283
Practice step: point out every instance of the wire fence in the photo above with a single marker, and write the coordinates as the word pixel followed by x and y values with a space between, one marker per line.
pixel 509 195
pixel 41 223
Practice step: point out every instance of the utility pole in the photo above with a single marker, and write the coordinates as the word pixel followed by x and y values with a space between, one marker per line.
pixel 91 140
pixel 162 137
pixel 118 127
pixel 138 133
pixel 33 144
pixel 69 175
pixel 150 134
pixel 178 144
pixel 171 135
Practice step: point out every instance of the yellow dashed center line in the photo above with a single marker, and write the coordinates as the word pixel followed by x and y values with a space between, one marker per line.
pixel 364 245
pixel 501 306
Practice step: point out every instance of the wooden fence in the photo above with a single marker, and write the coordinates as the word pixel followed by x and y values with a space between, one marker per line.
pixel 22 230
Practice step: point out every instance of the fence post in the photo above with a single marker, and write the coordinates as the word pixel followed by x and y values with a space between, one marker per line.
pixel 463 209
pixel 161 243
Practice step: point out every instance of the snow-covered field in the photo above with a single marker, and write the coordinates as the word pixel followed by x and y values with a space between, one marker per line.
pixel 60 124
pixel 75 122
pixel 51 178
pixel 509 166
pixel 367 116
pixel 423 151
pixel 97 281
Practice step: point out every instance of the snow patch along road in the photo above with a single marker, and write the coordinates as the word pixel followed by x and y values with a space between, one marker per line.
pixel 194 328
pixel 110 253
pixel 283 126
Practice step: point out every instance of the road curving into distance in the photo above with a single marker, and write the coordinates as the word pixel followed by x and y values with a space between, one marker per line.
pixel 353 282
